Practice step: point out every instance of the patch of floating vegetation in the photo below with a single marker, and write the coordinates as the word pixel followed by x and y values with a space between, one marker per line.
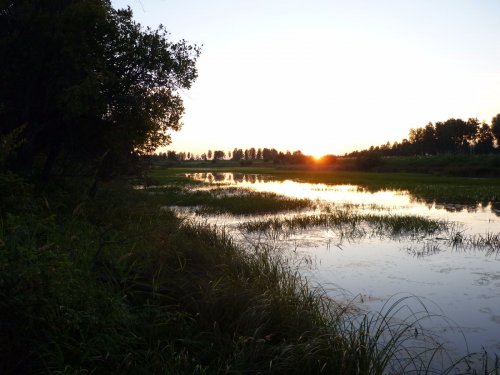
pixel 236 201
pixel 345 219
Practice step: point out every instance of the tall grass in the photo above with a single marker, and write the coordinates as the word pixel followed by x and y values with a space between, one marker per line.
pixel 350 223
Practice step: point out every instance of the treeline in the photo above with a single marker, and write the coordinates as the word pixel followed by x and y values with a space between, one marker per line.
pixel 240 155
pixel 453 136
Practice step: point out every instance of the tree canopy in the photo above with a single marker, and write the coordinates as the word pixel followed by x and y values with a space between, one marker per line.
pixel 453 136
pixel 88 84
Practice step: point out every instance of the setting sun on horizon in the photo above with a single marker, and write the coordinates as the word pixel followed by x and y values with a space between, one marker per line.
pixel 330 77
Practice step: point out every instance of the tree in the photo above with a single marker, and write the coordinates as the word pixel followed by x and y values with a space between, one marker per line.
pixel 209 154
pixel 88 83
pixel 484 140
pixel 172 156
pixel 453 135
pixel 251 153
pixel 218 155
pixel 495 128
pixel 237 154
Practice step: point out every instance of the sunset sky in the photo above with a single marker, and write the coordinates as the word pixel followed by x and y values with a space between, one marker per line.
pixel 329 76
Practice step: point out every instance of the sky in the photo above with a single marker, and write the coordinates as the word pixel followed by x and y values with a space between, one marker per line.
pixel 329 76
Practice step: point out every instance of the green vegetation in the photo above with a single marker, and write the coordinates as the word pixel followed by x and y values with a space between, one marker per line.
pixel 350 223
pixel 229 200
pixel 116 284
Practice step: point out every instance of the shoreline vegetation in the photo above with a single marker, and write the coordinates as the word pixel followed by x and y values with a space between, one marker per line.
pixel 114 283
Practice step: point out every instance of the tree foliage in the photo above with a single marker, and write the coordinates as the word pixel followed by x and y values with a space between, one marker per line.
pixel 453 136
pixel 495 128
pixel 88 83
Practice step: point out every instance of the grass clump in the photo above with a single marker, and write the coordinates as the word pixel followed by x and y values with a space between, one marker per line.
pixel 231 200
pixel 350 223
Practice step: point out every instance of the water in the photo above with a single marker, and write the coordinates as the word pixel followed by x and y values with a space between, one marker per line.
pixel 462 285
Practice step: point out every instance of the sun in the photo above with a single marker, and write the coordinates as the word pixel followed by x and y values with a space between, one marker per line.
pixel 317 157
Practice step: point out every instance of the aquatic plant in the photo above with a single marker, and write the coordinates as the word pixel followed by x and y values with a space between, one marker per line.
pixel 350 222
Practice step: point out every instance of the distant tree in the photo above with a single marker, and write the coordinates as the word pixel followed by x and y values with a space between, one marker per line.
pixel 484 140
pixel 259 154
pixel 266 154
pixel 495 128
pixel 229 154
pixel 172 156
pixel 251 153
pixel 203 156
pixel 209 154
pixel 269 154
pixel 87 83
pixel 237 154
pixel 219 155
pixel 454 134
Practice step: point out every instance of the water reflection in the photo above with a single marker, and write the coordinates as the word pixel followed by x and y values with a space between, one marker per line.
pixel 480 215
pixel 464 283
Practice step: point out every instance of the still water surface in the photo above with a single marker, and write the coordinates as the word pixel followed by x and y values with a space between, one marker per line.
pixel 462 285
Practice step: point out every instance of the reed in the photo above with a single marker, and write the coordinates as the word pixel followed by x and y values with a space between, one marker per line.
pixel 346 221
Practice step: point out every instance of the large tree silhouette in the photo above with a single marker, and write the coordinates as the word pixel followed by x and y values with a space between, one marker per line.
pixel 87 83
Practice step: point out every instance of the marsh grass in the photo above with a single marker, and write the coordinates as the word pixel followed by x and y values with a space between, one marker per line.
pixel 347 222
pixel 490 242
pixel 430 234
pixel 218 200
